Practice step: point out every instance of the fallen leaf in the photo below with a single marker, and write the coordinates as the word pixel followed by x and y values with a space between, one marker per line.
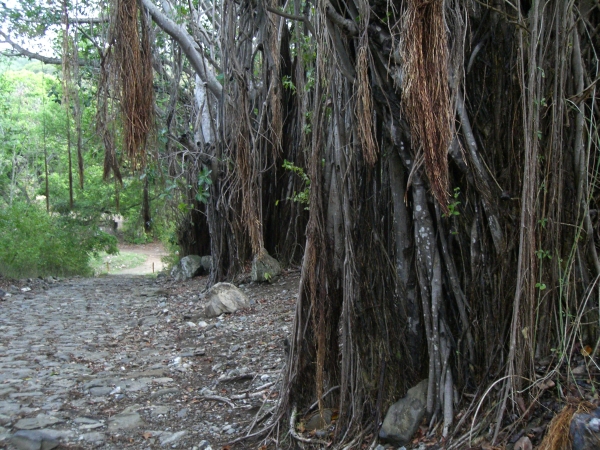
pixel 587 350
pixel 547 385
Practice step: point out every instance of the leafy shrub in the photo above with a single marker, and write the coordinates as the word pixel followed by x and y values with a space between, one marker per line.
pixel 33 243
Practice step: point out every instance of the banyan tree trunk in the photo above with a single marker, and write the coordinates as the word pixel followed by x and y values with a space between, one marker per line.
pixel 438 243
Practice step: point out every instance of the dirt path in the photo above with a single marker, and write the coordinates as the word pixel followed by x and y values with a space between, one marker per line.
pixel 153 264
pixel 130 362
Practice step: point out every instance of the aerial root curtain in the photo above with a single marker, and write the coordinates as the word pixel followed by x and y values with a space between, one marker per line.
pixel 426 100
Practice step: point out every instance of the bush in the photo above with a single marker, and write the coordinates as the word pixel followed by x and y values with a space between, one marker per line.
pixel 33 243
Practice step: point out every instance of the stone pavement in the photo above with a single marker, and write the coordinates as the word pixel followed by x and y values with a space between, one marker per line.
pixel 68 361
pixel 126 362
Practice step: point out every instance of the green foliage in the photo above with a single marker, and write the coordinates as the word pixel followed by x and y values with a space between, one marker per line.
pixel 33 243
pixel 453 206
pixel 204 182
pixel 288 83
pixel 303 196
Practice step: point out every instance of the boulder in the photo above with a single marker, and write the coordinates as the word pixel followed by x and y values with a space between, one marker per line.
pixel 403 418
pixel 585 430
pixel 224 298
pixel 191 266
pixel 265 267
pixel 206 262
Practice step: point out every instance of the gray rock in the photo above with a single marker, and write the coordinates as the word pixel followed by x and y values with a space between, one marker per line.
pixel 4 419
pixel 6 391
pixel 188 267
pixel 125 421
pixel 265 267
pixel 41 421
pixel 204 445
pixel 33 440
pixel 403 418
pixel 206 262
pixel 94 437
pixel 161 392
pixel 585 431
pixel 158 410
pixel 100 391
pixel 224 298
pixel 84 420
pixel 171 438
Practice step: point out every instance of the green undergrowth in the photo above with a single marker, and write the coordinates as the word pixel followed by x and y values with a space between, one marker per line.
pixel 34 243
pixel 106 263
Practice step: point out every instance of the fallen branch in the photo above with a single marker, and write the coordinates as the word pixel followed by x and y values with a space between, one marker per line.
pixel 218 399
pixel 246 376
pixel 254 394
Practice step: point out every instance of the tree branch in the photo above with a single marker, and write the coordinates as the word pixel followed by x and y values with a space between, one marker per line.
pixel 348 26
pixel 293 17
pixel 31 55
pixel 187 44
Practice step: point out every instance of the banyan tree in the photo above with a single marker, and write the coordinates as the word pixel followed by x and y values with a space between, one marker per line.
pixel 433 164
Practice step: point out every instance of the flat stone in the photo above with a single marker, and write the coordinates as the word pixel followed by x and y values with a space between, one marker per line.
pixel 26 394
pixel 41 421
pixel 84 420
pixel 6 391
pixel 125 421
pixel 164 380
pixel 95 437
pixel 91 426
pixel 100 391
pixel 168 438
pixel 158 410
pixel 33 440
pixel 160 393
pixel 148 373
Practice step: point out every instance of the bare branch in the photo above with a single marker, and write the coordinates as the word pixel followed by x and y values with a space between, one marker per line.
pixel 303 19
pixel 348 26
pixel 20 51
pixel 187 44
pixel 87 20
pixel 24 52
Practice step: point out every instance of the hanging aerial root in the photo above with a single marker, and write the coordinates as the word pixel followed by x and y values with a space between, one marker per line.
pixel 364 108
pixel 425 87
pixel 133 73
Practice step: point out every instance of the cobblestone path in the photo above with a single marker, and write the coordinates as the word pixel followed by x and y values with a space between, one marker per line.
pixel 98 362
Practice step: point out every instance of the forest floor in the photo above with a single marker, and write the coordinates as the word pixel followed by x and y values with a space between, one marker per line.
pixel 128 361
